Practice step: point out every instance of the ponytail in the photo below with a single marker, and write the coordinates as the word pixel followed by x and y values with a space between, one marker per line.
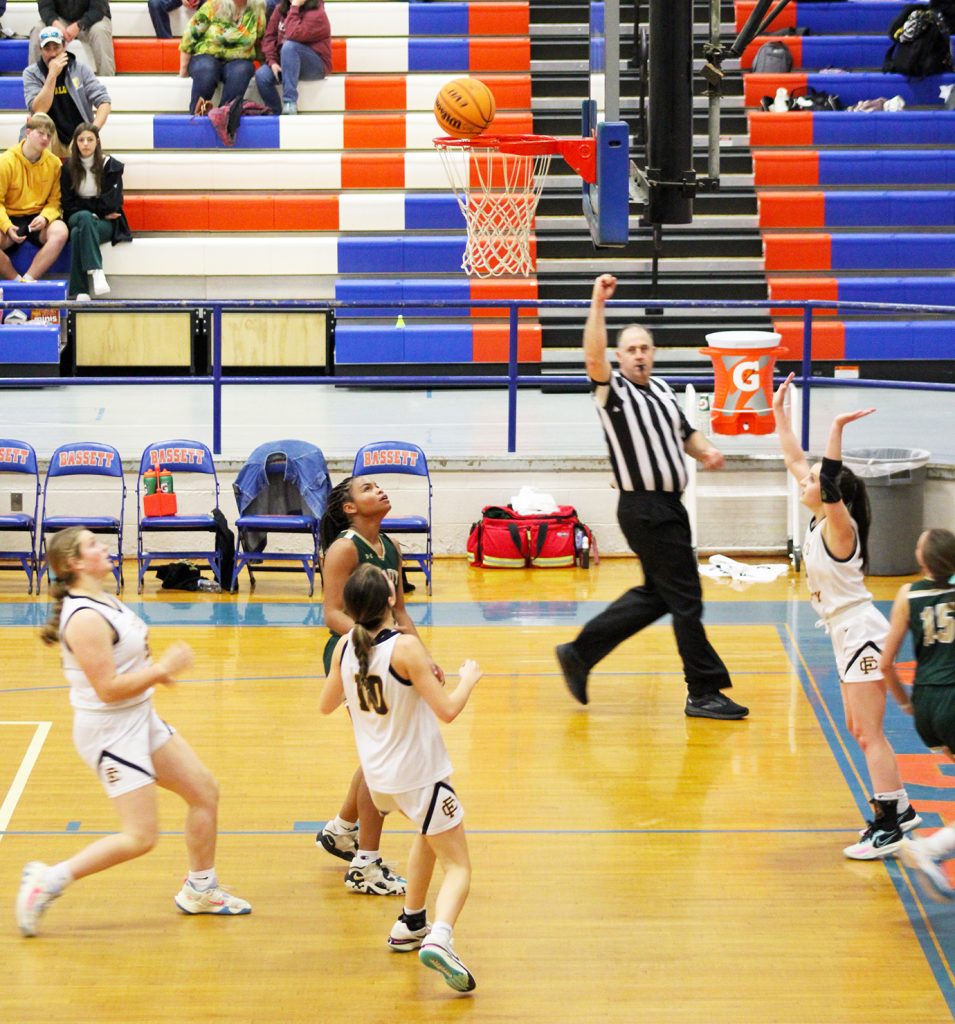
pixel 63 547
pixel 366 603
pixel 50 630
pixel 335 520
pixel 856 499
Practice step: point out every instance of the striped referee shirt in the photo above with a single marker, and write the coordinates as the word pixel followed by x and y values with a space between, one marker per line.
pixel 645 430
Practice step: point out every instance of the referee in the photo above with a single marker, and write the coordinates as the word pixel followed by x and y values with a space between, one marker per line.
pixel 647 435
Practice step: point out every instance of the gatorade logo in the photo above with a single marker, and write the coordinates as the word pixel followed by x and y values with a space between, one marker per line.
pixel 86 457
pixel 390 457
pixel 745 375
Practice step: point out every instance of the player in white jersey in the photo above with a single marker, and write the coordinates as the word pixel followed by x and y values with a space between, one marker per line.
pixel 395 700
pixel 111 673
pixel 835 553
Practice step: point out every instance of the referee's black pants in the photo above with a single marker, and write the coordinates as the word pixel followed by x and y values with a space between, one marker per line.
pixel 658 531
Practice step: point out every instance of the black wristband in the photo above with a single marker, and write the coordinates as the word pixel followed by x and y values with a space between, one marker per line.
pixel 829 481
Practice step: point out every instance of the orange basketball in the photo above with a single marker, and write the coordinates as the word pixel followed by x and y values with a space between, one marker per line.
pixel 464 108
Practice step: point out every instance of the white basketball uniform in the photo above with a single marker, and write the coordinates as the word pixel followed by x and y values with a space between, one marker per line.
pixel 399 742
pixel 117 739
pixel 838 594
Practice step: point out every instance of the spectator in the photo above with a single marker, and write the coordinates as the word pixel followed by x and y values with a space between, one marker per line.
pixel 220 44
pixel 91 184
pixel 297 45
pixel 30 201
pixel 86 20
pixel 59 85
pixel 159 11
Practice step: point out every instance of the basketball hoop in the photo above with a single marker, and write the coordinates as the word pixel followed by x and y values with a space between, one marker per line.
pixel 497 181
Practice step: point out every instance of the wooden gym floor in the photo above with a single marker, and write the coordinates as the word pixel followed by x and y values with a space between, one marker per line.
pixel 630 864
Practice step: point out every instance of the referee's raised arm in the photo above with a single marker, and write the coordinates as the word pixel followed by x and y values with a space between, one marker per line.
pixel 595 330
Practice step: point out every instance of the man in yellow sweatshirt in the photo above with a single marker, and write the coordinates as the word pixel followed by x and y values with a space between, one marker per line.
pixel 30 201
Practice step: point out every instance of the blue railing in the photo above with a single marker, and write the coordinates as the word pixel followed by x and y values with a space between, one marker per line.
pixel 512 381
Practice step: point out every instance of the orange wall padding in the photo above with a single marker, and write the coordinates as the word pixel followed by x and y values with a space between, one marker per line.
pixel 491 343
pixel 755 87
pixel 786 167
pixel 251 212
pixel 770 129
pixel 799 289
pixel 828 339
pixel 791 209
pixel 499 19
pixel 493 288
pixel 797 252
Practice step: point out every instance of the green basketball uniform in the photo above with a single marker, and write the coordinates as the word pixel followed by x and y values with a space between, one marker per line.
pixel 390 562
pixel 932 624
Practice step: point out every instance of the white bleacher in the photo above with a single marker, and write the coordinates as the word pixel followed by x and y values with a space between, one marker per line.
pixel 239 255
pixel 131 19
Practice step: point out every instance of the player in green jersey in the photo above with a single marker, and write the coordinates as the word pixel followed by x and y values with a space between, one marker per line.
pixel 926 609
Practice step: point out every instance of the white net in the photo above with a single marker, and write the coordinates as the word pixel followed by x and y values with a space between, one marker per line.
pixel 498 195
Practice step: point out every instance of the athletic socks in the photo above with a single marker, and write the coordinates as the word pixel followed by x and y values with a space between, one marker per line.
pixel 900 797
pixel 415 920
pixel 441 933
pixel 339 824
pixel 202 880
pixel 59 876
pixel 363 857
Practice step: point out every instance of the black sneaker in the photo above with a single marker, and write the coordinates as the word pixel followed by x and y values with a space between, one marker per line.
pixel 714 705
pixel 575 672
pixel 909 819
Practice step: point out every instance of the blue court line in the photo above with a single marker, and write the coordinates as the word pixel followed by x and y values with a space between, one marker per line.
pixel 306 827
pixel 812 661
pixel 439 614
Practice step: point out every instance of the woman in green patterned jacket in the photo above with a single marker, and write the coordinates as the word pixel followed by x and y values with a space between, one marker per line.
pixel 220 44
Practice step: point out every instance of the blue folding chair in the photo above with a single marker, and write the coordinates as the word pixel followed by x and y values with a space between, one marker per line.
pixel 84 459
pixel 386 457
pixel 180 457
pixel 282 488
pixel 18 457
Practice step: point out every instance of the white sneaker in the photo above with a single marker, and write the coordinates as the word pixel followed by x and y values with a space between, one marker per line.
pixel 404 939
pixel 210 901
pixel 33 897
pixel 375 879
pixel 83 297
pixel 445 961
pixel 342 844
pixel 932 878
pixel 99 282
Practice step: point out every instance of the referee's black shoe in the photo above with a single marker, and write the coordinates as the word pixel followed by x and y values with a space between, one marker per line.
pixel 714 705
pixel 575 671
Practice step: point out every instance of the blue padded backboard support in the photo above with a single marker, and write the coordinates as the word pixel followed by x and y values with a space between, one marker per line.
pixel 607 204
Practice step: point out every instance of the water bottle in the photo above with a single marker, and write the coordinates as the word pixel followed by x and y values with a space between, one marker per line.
pixel 210 586
pixel 780 103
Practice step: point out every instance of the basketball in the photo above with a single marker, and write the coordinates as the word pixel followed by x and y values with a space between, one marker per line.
pixel 464 108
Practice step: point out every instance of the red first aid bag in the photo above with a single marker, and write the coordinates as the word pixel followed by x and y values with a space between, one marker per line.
pixel 505 539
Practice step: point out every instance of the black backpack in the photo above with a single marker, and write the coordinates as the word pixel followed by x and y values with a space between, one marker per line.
pixel 922 46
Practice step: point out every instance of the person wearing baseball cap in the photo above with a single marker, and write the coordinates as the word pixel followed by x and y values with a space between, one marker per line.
pixel 86 20
pixel 59 85
pixel 30 201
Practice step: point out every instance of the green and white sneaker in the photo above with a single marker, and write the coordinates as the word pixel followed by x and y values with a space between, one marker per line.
pixel 375 879
pixel 341 844
pixel 210 901
pixel 33 897
pixel 442 958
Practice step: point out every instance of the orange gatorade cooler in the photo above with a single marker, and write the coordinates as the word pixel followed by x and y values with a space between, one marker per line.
pixel 743 364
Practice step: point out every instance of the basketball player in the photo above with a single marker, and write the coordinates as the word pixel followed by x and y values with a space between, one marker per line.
pixel 835 556
pixel 395 702
pixel 926 608
pixel 107 662
pixel 351 535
